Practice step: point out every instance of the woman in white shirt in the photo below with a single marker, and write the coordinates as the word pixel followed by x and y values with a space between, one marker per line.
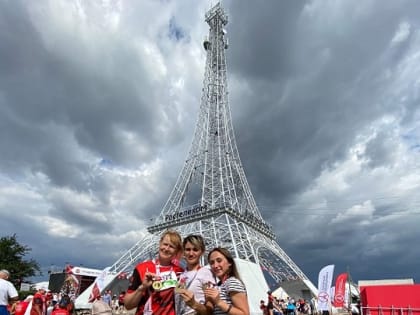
pixel 190 293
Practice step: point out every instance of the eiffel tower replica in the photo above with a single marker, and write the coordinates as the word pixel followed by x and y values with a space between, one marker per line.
pixel 212 196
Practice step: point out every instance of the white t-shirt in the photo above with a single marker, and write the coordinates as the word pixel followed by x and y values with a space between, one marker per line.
pixel 194 281
pixel 7 290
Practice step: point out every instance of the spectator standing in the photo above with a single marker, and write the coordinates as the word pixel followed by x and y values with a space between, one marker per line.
pixel 67 301
pixel 8 292
pixel 270 305
pixel 39 306
pixel 121 300
pixel 61 309
pixel 291 307
pixel 277 308
pixel 263 307
pixel 107 298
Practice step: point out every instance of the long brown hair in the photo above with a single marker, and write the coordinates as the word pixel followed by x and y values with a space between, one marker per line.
pixel 233 270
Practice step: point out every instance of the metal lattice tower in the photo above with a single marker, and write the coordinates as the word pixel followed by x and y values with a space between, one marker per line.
pixel 212 196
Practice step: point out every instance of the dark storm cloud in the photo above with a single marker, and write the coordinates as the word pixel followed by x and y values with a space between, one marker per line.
pixel 261 38
pixel 43 83
pixel 61 105
pixel 311 111
pixel 68 101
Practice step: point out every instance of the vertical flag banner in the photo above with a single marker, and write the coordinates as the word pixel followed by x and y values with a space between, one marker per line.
pixel 332 294
pixel 325 278
pixel 340 290
pixel 346 296
pixel 98 285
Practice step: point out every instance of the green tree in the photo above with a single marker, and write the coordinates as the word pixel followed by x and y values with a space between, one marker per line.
pixel 12 255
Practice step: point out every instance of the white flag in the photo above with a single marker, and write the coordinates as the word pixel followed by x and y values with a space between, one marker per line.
pixel 98 285
pixel 325 278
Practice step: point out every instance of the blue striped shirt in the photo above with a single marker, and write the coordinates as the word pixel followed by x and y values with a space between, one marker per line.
pixel 231 285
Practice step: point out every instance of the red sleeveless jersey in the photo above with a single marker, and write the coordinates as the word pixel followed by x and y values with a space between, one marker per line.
pixel 162 302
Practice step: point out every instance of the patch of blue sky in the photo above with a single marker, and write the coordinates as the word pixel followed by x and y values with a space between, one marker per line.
pixel 175 31
pixel 412 140
pixel 104 162
pixel 415 147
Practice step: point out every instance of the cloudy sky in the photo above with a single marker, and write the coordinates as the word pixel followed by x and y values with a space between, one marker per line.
pixel 98 102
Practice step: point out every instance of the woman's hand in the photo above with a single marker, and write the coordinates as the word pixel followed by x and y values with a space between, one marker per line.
pixel 132 299
pixel 148 279
pixel 212 294
pixel 187 296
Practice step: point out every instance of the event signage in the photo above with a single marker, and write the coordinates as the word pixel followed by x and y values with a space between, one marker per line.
pixel 324 287
pixel 98 285
pixel 340 290
pixel 185 213
pixel 81 271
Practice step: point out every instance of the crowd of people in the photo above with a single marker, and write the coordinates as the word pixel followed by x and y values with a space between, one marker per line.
pixel 42 302
pixel 288 306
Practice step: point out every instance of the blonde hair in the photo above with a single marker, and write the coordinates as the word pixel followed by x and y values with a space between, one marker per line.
pixel 196 240
pixel 175 238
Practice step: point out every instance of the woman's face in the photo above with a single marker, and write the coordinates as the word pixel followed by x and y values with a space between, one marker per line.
pixel 192 254
pixel 167 250
pixel 219 264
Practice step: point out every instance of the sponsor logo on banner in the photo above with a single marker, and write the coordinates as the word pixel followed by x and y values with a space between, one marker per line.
pixel 324 287
pixel 340 290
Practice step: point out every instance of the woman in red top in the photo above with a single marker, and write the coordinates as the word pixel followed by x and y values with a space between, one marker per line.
pixel 152 284
pixel 21 306
pixel 61 309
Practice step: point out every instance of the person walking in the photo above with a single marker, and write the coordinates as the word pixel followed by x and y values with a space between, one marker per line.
pixel 189 295
pixel 107 297
pixel 151 288
pixel 8 292
pixel 229 296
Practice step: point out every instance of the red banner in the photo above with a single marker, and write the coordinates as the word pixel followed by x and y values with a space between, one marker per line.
pixel 340 290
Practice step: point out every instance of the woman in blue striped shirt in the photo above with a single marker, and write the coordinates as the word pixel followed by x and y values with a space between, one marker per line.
pixel 229 296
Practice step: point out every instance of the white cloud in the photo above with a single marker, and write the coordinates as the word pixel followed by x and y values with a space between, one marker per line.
pixel 401 34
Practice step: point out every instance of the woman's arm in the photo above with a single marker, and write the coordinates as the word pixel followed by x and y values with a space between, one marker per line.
pixel 132 299
pixel 240 304
pixel 202 309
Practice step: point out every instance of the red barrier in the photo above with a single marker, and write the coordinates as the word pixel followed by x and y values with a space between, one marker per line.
pixel 390 299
